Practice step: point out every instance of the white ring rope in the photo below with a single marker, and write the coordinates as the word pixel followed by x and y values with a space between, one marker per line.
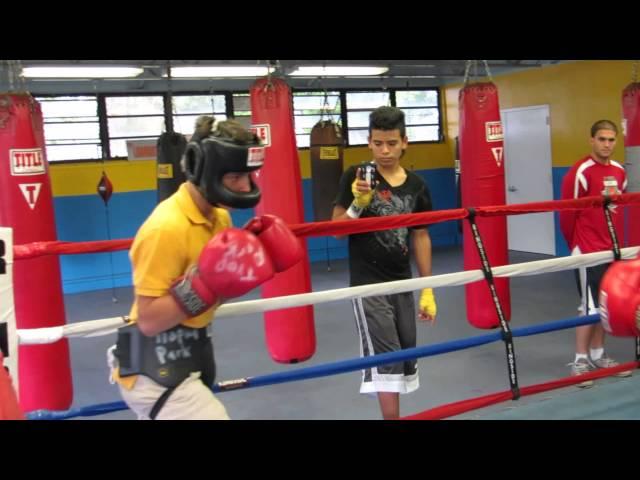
pixel 109 325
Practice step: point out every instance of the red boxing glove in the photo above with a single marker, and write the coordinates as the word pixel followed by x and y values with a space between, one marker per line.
pixel 230 265
pixel 284 248
pixel 619 299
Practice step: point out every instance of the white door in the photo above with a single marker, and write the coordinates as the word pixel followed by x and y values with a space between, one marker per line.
pixel 529 178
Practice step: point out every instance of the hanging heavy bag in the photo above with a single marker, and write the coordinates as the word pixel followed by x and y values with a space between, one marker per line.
pixel 326 167
pixel 171 146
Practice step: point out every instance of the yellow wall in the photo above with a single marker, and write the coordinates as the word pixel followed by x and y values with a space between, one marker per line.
pixel 82 178
pixel 419 156
pixel 578 93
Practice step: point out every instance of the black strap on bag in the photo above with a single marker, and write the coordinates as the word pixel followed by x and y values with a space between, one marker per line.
pixel 160 403
pixel 4 339
pixel 616 251
pixel 612 231
pixel 507 336
pixel 3 263
pixel 4 333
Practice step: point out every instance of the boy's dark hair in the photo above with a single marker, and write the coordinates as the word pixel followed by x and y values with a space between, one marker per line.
pixel 387 118
pixel 204 125
pixel 233 129
pixel 603 125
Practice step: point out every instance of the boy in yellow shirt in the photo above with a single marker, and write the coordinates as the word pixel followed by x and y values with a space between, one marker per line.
pixel 187 259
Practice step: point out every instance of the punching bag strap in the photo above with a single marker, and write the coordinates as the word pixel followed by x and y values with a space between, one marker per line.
pixel 4 333
pixel 11 72
pixel 4 339
pixel 616 249
pixel 507 336
pixel 269 84
pixel 474 64
pixel 612 231
pixel 169 105
pixel 3 262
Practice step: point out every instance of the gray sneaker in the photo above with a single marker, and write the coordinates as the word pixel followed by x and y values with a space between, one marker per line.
pixel 580 367
pixel 605 362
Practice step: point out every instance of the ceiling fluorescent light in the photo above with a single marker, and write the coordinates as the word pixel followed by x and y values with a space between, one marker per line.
pixel 421 65
pixel 81 72
pixel 413 76
pixel 338 71
pixel 233 71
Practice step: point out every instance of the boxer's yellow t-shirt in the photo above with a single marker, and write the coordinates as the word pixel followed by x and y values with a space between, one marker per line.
pixel 166 245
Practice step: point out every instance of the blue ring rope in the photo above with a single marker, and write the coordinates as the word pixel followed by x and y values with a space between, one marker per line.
pixel 335 368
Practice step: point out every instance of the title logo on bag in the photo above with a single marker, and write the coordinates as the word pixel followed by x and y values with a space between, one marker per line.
pixel 263 132
pixel 31 192
pixel 165 170
pixel 494 131
pixel 497 155
pixel 329 153
pixel 27 161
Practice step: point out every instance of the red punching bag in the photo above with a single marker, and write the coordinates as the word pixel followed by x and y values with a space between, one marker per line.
pixel 482 183
pixel 631 129
pixel 26 205
pixel 290 333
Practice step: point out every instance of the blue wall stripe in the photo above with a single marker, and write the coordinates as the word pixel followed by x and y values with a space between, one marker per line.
pixel 84 218
pixel 442 184
pixel 561 246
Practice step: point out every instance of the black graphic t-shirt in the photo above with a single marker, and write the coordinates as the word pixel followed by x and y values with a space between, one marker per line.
pixel 384 255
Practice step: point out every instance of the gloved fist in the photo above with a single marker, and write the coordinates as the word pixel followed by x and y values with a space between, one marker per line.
pixel 281 244
pixel 428 308
pixel 230 265
pixel 619 299
pixel 362 192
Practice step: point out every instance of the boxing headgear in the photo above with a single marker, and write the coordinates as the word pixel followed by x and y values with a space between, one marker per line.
pixel 619 299
pixel 208 159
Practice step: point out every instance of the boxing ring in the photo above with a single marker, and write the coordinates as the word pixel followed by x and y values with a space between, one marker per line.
pixel 107 326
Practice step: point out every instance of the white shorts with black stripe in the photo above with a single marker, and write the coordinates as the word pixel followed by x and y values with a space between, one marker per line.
pixel 588 281
pixel 387 323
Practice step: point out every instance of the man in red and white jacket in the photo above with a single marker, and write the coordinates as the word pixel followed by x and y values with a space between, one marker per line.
pixel 586 231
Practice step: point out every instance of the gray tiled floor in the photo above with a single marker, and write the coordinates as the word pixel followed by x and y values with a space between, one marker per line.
pixel 240 352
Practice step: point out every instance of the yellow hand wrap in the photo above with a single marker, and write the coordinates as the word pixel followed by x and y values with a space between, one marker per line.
pixel 361 200
pixel 428 302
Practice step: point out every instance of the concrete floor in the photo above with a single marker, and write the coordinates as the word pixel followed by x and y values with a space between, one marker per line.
pixel 240 352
